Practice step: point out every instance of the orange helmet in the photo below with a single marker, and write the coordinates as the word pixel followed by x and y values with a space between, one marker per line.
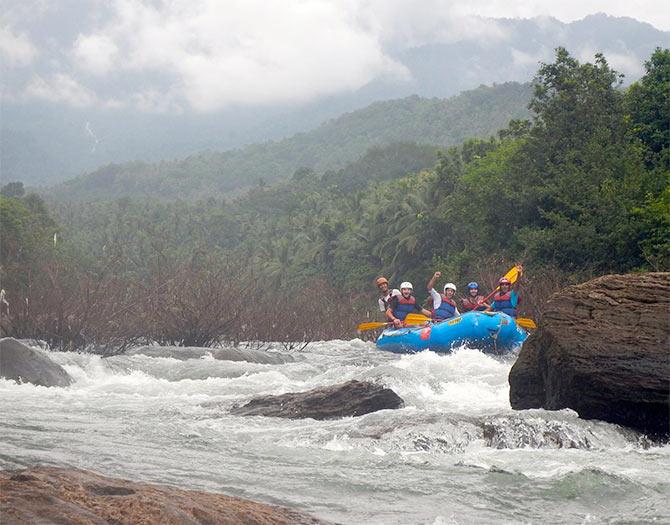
pixel 381 280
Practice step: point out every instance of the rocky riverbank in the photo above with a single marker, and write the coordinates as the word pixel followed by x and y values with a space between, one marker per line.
pixel 59 495
pixel 603 350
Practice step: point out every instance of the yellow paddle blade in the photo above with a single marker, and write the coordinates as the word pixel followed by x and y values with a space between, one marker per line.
pixel 370 326
pixel 526 323
pixel 512 275
pixel 416 319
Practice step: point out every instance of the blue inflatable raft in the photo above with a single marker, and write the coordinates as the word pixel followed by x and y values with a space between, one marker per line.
pixel 491 332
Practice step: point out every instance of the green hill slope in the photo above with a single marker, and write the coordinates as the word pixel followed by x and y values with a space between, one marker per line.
pixel 476 113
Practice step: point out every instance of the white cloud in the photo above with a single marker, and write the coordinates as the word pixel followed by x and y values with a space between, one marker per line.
pixel 95 53
pixel 16 50
pixel 242 52
pixel 60 88
pixel 624 62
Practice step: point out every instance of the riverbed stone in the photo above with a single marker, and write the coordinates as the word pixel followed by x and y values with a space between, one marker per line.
pixel 24 364
pixel 353 398
pixel 603 350
pixel 68 495
pixel 183 353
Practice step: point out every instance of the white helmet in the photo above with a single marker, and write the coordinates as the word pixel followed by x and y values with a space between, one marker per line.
pixel 406 284
pixel 450 286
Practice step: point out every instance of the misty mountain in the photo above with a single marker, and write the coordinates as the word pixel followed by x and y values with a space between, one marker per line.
pixel 46 142
pixel 438 122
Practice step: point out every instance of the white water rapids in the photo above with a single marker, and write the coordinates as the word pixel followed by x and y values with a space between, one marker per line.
pixel 456 453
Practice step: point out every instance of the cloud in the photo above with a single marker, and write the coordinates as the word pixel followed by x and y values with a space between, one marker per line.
pixel 95 53
pixel 215 54
pixel 622 61
pixel 16 50
pixel 60 88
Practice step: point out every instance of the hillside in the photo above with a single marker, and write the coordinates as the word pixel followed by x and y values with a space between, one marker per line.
pixel 477 113
pixel 47 142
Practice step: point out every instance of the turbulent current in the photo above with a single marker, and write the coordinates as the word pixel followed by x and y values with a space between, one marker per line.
pixel 456 453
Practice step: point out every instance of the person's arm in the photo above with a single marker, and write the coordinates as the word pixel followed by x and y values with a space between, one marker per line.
pixel 426 312
pixel 437 300
pixel 514 298
pixel 433 280
pixel 393 303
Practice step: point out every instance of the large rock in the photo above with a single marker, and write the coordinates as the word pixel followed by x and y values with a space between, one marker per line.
pixel 28 365
pixel 57 495
pixel 603 350
pixel 225 354
pixel 353 398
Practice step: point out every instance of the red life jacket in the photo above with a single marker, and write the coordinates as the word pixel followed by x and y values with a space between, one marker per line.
pixel 404 307
pixel 446 310
pixel 503 303
pixel 469 304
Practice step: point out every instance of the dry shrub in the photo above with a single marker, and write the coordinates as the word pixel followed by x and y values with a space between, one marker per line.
pixel 197 303
pixel 72 310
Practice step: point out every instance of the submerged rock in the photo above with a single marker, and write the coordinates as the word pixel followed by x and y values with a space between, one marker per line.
pixel 28 365
pixel 59 495
pixel 603 350
pixel 224 354
pixel 353 398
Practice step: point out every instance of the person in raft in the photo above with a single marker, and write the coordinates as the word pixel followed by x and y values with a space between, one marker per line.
pixel 444 306
pixel 403 304
pixel 474 301
pixel 506 298
pixel 385 294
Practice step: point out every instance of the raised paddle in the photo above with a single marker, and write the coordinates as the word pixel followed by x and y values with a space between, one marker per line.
pixel 512 275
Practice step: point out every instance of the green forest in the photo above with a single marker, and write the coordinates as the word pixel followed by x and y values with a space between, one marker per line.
pixel 578 189
pixel 439 122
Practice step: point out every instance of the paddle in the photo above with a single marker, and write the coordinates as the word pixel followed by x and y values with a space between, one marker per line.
pixel 363 327
pixel 512 275
pixel 420 319
pixel 410 319
pixel 529 324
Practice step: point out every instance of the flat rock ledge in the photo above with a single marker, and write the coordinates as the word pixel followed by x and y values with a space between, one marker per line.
pixel 24 364
pixel 60 495
pixel 353 398
pixel 603 350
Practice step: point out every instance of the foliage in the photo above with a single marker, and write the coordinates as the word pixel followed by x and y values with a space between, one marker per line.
pixel 331 146
pixel 580 189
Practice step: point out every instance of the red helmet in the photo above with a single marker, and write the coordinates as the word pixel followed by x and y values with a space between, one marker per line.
pixel 504 280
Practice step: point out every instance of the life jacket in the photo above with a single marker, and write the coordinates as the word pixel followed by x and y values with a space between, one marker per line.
pixel 469 304
pixel 404 307
pixel 503 303
pixel 446 310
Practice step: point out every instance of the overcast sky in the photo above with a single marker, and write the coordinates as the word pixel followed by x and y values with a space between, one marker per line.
pixel 205 55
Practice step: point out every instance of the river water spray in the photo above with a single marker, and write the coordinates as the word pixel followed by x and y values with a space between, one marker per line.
pixel 456 453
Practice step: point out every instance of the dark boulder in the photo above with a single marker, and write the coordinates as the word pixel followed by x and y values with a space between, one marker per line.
pixel 28 365
pixel 61 495
pixel 603 350
pixel 353 398
pixel 224 354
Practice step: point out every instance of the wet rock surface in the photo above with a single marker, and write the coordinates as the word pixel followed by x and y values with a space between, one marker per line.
pixel 603 350
pixel 59 495
pixel 353 398
pixel 24 364
pixel 224 354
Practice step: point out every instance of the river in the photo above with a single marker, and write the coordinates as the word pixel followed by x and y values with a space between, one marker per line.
pixel 456 453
